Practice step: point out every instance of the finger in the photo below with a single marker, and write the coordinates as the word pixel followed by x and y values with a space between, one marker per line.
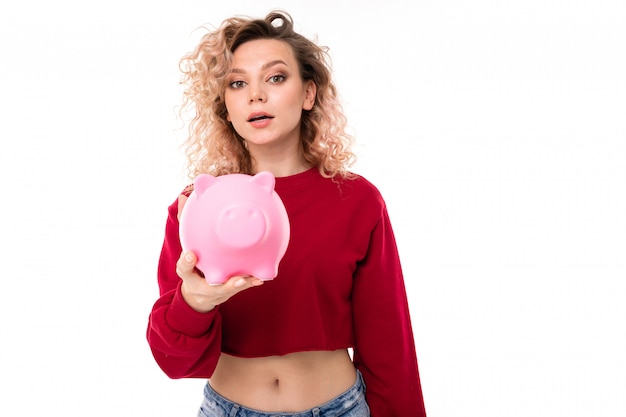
pixel 240 282
pixel 186 264
pixel 182 199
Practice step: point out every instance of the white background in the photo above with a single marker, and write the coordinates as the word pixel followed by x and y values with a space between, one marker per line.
pixel 496 130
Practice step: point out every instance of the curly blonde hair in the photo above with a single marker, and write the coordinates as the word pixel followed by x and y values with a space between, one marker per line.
pixel 213 146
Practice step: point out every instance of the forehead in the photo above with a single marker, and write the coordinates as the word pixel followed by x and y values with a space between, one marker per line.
pixel 255 53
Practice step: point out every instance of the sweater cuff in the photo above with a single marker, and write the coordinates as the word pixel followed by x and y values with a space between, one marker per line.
pixel 184 319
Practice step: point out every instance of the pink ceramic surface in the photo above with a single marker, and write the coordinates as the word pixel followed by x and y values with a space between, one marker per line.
pixel 236 225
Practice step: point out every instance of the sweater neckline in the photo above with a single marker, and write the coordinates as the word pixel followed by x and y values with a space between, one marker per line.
pixel 296 179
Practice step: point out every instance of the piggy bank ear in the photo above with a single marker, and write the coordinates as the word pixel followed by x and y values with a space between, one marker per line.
pixel 265 179
pixel 202 182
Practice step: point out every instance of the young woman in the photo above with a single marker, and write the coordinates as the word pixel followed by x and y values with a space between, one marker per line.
pixel 264 100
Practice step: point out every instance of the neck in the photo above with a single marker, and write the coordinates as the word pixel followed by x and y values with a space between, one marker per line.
pixel 281 163
pixel 283 168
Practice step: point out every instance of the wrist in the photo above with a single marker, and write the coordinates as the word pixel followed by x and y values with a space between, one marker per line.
pixel 199 303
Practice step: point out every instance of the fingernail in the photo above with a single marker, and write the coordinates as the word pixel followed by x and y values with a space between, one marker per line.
pixel 188 257
pixel 239 283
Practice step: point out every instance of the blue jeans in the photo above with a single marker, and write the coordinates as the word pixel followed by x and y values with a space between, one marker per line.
pixel 349 404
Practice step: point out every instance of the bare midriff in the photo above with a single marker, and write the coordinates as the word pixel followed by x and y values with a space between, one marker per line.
pixel 290 383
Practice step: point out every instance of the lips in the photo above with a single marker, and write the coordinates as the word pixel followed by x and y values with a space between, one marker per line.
pixel 258 116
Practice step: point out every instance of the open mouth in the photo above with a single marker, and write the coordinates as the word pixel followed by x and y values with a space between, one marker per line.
pixel 257 117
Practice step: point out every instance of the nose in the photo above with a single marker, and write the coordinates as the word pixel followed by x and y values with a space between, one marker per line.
pixel 257 94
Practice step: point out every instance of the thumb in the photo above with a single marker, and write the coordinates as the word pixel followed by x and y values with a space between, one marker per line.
pixel 189 258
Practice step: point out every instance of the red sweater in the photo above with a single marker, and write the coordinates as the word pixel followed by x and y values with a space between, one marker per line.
pixel 339 285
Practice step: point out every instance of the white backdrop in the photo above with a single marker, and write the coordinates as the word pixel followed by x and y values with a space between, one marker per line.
pixel 496 131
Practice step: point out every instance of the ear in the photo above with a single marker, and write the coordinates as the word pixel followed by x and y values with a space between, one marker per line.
pixel 202 182
pixel 310 91
pixel 265 179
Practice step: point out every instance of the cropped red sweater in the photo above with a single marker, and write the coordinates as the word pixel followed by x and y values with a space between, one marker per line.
pixel 339 285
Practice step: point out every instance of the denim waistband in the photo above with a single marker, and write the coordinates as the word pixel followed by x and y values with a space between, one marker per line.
pixel 335 407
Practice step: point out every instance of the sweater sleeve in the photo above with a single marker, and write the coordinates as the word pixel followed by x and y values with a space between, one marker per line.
pixel 185 343
pixel 384 349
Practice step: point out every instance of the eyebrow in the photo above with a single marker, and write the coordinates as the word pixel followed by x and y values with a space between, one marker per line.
pixel 264 67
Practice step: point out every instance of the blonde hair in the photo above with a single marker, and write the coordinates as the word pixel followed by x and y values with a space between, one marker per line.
pixel 213 146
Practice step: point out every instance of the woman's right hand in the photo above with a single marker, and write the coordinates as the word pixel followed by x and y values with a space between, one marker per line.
pixel 196 291
pixel 199 294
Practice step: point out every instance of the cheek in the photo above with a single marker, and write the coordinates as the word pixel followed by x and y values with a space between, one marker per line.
pixel 229 108
pixel 295 101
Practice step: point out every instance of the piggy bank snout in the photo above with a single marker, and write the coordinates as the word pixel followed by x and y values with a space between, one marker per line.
pixel 241 225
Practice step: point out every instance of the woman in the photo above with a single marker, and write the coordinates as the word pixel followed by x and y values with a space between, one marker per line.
pixel 264 101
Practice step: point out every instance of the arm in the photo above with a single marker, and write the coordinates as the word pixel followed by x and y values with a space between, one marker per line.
pixel 184 329
pixel 384 346
pixel 184 342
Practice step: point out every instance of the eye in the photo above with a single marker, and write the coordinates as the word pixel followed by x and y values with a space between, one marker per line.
pixel 275 79
pixel 237 84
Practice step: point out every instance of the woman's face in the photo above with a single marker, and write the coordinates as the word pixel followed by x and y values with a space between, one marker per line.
pixel 265 95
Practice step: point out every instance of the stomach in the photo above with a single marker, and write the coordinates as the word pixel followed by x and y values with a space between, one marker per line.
pixel 290 383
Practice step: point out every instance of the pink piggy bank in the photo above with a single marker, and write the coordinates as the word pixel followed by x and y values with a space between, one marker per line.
pixel 236 225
